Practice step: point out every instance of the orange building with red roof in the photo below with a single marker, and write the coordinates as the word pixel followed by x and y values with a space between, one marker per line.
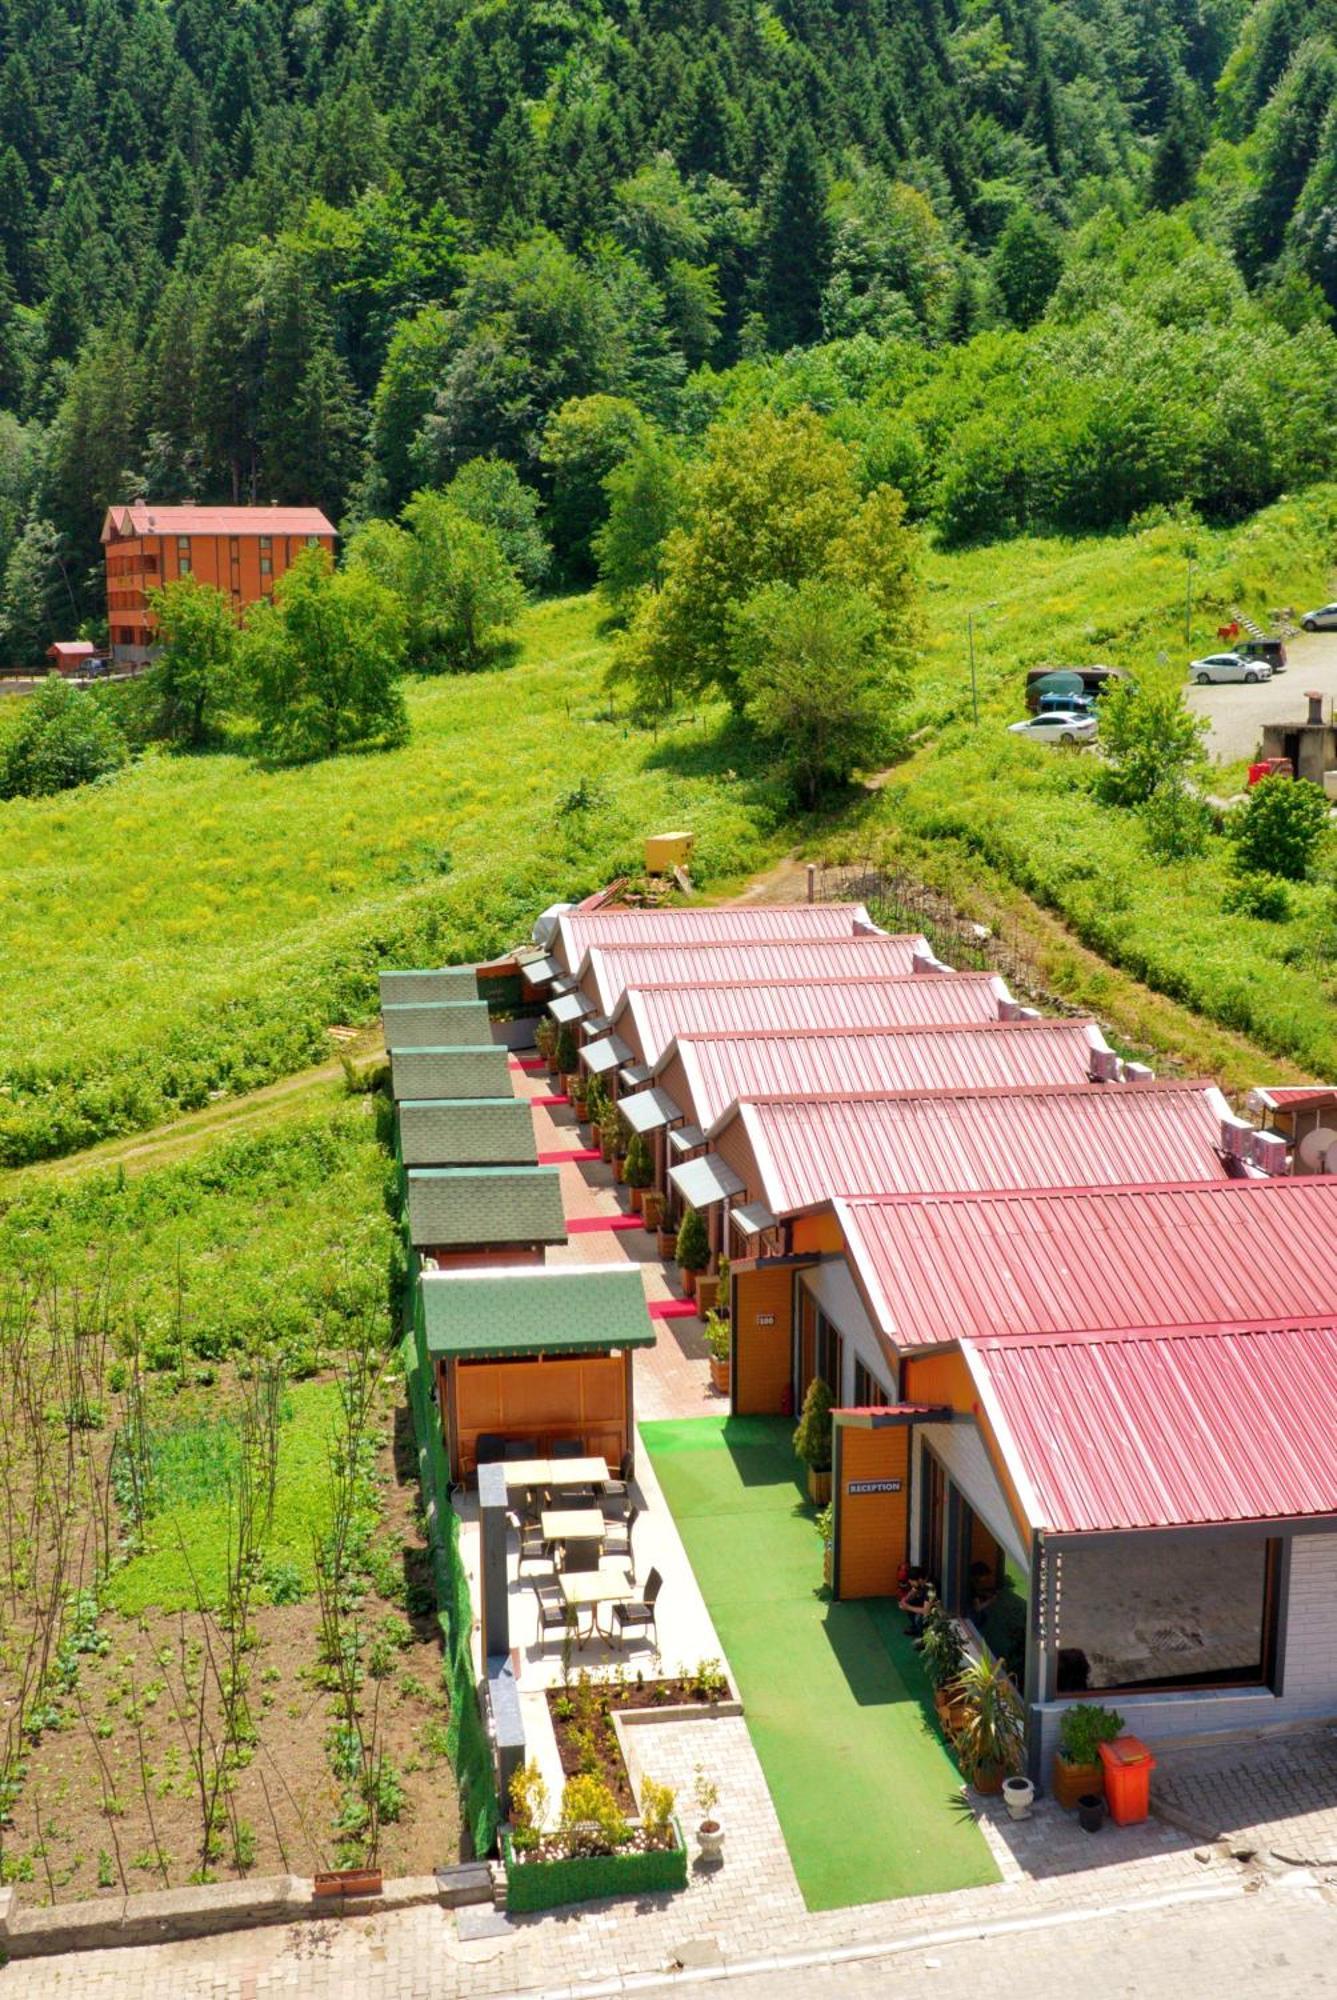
pixel 239 550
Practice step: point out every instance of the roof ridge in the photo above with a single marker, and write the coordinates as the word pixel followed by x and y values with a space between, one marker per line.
pixel 1039 1195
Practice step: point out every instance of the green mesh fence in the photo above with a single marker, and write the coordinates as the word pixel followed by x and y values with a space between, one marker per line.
pixel 469 1750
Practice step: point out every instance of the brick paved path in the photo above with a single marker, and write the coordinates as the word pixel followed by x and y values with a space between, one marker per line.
pixel 1277 1796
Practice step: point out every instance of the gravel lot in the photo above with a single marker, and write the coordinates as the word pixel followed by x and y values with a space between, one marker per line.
pixel 1237 713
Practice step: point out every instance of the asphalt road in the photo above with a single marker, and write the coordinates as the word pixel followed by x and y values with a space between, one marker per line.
pixel 1237 713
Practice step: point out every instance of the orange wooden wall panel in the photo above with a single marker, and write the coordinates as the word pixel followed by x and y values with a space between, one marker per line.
pixel 816 1233
pixel 733 1148
pixel 574 1396
pixel 762 1365
pixel 873 1529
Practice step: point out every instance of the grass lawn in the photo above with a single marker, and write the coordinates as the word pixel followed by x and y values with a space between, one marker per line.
pixel 836 1703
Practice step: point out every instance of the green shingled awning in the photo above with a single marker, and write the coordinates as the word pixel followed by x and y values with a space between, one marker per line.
pixel 434 1024
pixel 481 1069
pixel 579 1309
pixel 447 982
pixel 465 1208
pixel 466 1132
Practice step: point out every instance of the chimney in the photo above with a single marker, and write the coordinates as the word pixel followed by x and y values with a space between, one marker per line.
pixel 1009 1010
pixel 927 961
pixel 1235 1135
pixel 1135 1072
pixel 1269 1152
pixel 1104 1066
pixel 1315 710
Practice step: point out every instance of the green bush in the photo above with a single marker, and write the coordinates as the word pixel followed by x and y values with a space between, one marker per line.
pixel 1278 829
pixel 1262 896
pixel 812 1434
pixel 1084 1727
pixel 63 738
pixel 692 1250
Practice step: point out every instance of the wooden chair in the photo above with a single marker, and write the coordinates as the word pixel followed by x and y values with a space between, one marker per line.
pixel 552 1610
pixel 533 1547
pixel 638 1615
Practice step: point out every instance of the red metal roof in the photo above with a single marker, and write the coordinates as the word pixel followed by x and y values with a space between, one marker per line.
pixel 1154 1431
pixel 815 1062
pixel 610 969
pixel 578 929
pixel 649 1016
pixel 808 1149
pixel 951 1267
pixel 145 517
pixel 1295 1097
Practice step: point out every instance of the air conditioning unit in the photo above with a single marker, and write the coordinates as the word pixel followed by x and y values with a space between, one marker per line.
pixel 1009 1010
pixel 1135 1072
pixel 1104 1066
pixel 1269 1152
pixel 927 961
pixel 1235 1136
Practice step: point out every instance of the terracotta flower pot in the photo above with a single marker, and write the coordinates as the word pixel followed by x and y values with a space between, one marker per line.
pixel 819 1491
pixel 1072 1781
pixel 688 1282
pixel 668 1239
pixel 987 1779
pixel 652 1207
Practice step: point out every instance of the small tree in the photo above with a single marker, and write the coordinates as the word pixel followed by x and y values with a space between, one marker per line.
pixel 693 1245
pixel 645 498
pixel 323 659
pixel 812 1433
pixel 1278 830
pixel 63 738
pixel 639 1169
pixel 564 1050
pixel 816 682
pixel 194 678
pixel 490 492
pixel 1149 738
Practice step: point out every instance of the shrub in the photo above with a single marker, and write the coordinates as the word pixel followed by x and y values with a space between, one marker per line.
pixel 812 1434
pixel 64 738
pixel 1261 896
pixel 639 1170
pixel 564 1050
pixel 529 1807
pixel 657 1803
pixel 1177 823
pixel 693 1246
pixel 1084 1727
pixel 591 1822
pixel 993 1735
pixel 1149 739
pixel 717 1335
pixel 1278 830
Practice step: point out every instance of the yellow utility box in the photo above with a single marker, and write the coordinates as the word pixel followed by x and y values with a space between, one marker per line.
pixel 666 851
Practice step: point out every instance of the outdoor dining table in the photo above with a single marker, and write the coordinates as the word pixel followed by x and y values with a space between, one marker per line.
pixel 588 1589
pixel 526 1472
pixel 580 1530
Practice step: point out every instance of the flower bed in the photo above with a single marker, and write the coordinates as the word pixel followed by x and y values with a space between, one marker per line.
pixel 582 1718
pixel 545 1880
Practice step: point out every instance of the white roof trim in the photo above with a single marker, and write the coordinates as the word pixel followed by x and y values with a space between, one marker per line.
pixel 703 1182
pixel 960 1448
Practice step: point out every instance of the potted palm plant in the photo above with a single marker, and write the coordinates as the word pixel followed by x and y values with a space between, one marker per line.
pixel 692 1249
pixel 718 1340
pixel 992 1738
pixel 812 1440
pixel 639 1170
pixel 943 1656
pixel 1078 1772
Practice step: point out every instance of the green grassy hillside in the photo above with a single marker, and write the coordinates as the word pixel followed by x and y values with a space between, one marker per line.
pixel 192 927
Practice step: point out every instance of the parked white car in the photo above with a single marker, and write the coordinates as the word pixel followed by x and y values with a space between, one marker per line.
pixel 1227 667
pixel 1322 620
pixel 1065 726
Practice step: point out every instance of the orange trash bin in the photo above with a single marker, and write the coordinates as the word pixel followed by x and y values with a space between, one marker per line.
pixel 1128 1767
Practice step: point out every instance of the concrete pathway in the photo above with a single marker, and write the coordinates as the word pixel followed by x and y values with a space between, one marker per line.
pixel 1275 1797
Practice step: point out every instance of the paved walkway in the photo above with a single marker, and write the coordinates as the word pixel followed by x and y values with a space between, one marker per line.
pixel 1275 1796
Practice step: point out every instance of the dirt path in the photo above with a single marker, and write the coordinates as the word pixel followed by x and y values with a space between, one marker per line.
pixel 291 1097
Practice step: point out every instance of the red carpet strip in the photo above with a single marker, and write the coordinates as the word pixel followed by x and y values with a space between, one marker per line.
pixel 558 1098
pixel 532 1063
pixel 670 1308
pixel 586 1225
pixel 577 1153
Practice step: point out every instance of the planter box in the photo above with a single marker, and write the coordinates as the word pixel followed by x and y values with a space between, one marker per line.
pixel 347 1882
pixel 667 1243
pixel 707 1291
pixel 547 1885
pixel 719 1375
pixel 652 1208
pixel 1075 1781
pixel 635 1196
pixel 819 1486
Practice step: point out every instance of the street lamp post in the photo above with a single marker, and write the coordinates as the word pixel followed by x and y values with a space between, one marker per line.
pixel 974 690
pixel 1188 605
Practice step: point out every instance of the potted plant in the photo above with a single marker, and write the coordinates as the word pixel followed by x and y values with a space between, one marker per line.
pixel 578 1092
pixel 992 1739
pixel 692 1249
pixel 596 1103
pixel 564 1055
pixel 710 1831
pixel 608 1131
pixel 667 1241
pixel 812 1440
pixel 639 1170
pixel 652 1209
pixel 718 1340
pixel 943 1656
pixel 825 1523
pixel 723 1288
pixel 707 1291
pixel 1078 1770
pixel 545 1040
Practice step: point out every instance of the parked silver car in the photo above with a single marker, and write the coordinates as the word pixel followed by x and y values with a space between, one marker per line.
pixel 1227 667
pixel 1322 620
pixel 1065 726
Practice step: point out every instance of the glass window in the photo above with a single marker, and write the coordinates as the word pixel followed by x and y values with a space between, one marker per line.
pixel 868 1391
pixel 264 541
pixel 266 566
pixel 183 565
pixel 1188 1610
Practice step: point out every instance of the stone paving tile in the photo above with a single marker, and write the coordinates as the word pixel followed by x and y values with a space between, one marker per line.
pixel 1277 1795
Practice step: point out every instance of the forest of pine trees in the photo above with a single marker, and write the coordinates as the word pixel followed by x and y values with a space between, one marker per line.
pixel 334 252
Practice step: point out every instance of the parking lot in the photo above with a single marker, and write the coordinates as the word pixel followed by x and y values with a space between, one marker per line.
pixel 1237 713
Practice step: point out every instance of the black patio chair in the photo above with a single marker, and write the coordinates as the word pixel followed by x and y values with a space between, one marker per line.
pixel 490 1449
pixel 617 1533
pixel 533 1546
pixel 638 1615
pixel 553 1615
pixel 567 1448
pixel 518 1449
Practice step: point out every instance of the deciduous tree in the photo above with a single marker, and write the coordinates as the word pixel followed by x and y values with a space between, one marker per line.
pixel 323 657
pixel 193 680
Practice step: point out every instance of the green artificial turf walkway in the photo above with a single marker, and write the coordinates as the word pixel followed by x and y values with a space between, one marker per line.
pixel 837 1704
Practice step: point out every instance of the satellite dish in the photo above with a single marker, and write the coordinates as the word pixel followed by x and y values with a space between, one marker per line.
pixel 1317 1148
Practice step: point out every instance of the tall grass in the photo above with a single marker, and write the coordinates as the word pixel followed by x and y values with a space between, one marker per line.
pixel 191 929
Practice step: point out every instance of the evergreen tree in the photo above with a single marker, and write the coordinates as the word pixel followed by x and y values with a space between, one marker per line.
pixel 796 246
